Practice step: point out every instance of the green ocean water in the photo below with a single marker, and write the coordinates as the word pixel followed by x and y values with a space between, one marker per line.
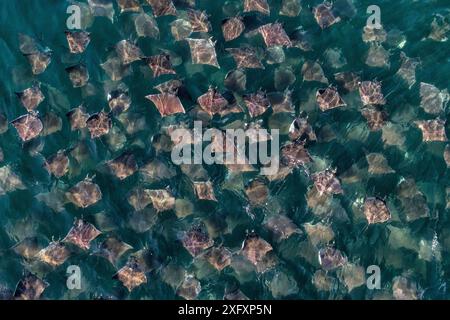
pixel 22 215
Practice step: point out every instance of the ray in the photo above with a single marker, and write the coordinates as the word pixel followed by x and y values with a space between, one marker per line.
pixel 166 103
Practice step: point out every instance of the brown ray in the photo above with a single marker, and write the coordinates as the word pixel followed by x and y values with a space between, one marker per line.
pixel 255 248
pixel 219 257
pixel 212 101
pixel 326 182
pixel 123 166
pixel 78 75
pixel 376 117
pixel 78 40
pixel 54 254
pixel 257 5
pixel 113 249
pixel 246 57
pixel 376 210
pixel 190 288
pixel 129 5
pixel 370 92
pixel 300 128
pixel 119 101
pixel 196 240
pixel 99 124
pixel 160 64
pixel 295 154
pixel 28 126
pixel 199 20
pixel 166 103
pixel 128 52
pixel 77 118
pixel 131 275
pixel 203 51
pixel 348 80
pixel 432 130
pixel 58 164
pixel 162 8
pixel 39 61
pixel 30 288
pixel 81 234
pixel 232 28
pixel 204 191
pixel 329 98
pixel 162 200
pixel 274 35
pixel 324 15
pixel 257 103
pixel 84 194
pixel 31 97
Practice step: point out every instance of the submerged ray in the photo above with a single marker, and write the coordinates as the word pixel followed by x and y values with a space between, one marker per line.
pixel 55 254
pixel 119 100
pixel 408 68
pixel 128 52
pixel 129 6
pixel 433 100
pixel 113 249
pixel 58 164
pixel 146 26
pixel 84 194
pixel 375 117
pixel 30 288
pixel 290 8
pixel 312 71
pixel 123 166
pixel 348 80
pixel 39 61
pixel 78 75
pixel 77 118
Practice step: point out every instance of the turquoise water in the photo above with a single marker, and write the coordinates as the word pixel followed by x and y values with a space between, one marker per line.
pixel 410 254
